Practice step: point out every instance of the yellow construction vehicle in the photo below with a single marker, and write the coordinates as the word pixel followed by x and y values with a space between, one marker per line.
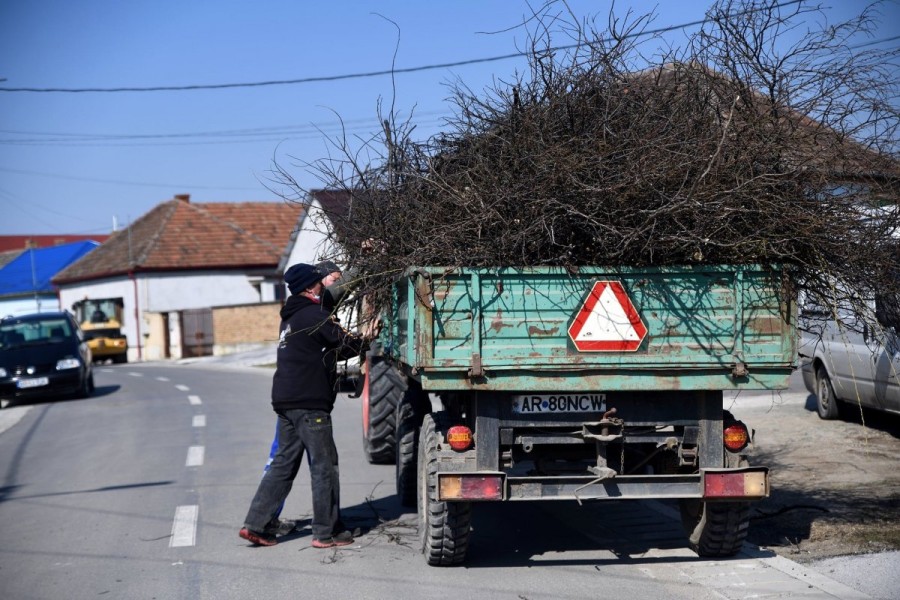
pixel 101 321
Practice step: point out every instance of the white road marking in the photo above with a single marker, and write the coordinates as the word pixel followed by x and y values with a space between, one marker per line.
pixel 194 400
pixel 135 374
pixel 199 421
pixel 181 387
pixel 162 378
pixel 195 456
pixel 184 528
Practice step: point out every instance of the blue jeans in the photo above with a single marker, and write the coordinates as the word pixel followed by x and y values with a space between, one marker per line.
pixel 272 452
pixel 299 431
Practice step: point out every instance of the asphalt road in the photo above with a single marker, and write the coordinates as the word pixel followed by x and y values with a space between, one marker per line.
pixel 138 492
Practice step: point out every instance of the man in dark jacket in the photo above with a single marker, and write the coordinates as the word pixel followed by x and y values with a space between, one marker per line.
pixel 303 394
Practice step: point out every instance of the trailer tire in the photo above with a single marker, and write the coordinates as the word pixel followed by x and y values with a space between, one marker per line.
pixel 444 527
pixel 410 411
pixel 715 529
pixel 382 390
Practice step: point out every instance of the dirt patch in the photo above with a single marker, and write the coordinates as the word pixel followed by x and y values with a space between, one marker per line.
pixel 835 484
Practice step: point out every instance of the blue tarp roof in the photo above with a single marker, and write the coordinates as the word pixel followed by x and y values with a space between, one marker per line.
pixel 32 270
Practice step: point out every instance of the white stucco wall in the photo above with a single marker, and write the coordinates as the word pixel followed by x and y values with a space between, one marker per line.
pixel 311 244
pixel 178 291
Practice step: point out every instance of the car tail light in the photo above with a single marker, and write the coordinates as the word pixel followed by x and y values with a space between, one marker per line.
pixel 459 437
pixel 458 486
pixel 736 437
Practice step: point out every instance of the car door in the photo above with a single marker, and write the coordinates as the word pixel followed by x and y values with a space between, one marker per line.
pixel 852 351
pixel 887 373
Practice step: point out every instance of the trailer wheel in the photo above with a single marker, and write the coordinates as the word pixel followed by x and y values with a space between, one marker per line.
pixel 410 412
pixel 382 389
pixel 715 529
pixel 826 401
pixel 444 527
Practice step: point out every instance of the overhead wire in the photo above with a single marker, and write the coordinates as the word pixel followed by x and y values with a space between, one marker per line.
pixel 392 71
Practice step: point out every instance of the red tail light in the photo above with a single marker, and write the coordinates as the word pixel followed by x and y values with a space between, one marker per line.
pixel 470 486
pixel 748 483
pixel 459 437
pixel 736 437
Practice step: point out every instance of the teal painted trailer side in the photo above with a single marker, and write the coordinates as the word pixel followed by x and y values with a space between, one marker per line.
pixel 507 329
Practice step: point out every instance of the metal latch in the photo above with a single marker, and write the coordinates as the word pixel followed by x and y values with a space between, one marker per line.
pixel 739 369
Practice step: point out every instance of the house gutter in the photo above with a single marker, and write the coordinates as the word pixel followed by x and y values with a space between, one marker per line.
pixel 137 322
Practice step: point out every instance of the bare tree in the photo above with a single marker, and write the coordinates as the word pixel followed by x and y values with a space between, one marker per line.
pixel 762 140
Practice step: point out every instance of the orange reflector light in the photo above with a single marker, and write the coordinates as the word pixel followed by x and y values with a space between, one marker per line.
pixel 752 484
pixel 736 437
pixel 457 486
pixel 459 437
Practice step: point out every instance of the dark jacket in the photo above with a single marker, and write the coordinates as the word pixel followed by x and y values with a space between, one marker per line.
pixel 310 344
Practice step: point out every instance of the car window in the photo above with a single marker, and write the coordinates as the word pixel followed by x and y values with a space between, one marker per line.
pixel 35 332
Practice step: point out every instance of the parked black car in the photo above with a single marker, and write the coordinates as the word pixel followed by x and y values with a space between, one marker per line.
pixel 44 355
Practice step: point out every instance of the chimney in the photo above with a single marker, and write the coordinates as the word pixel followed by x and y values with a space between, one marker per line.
pixel 186 198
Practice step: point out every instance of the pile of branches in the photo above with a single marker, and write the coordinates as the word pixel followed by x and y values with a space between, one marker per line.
pixel 725 151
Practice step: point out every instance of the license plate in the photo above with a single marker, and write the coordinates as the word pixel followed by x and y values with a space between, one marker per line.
pixel 558 403
pixel 32 383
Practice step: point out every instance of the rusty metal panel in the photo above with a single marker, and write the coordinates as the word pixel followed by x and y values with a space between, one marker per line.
pixel 708 327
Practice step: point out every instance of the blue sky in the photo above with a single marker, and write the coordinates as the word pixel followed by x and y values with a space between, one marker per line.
pixel 62 170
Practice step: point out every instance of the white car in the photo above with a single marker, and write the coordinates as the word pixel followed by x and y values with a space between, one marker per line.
pixel 845 358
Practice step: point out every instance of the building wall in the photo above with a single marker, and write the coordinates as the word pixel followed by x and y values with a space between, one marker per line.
pixel 240 327
pixel 152 294
pixel 155 341
pixel 311 243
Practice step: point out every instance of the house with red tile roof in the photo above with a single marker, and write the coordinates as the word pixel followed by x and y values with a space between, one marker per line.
pixel 183 262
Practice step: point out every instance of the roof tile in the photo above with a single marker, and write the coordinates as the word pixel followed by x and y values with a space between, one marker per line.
pixel 179 235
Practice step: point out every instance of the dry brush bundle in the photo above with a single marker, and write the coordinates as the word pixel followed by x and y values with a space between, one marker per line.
pixel 739 148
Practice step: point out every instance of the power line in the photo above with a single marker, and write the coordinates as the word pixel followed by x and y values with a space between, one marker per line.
pixel 310 133
pixel 273 129
pixel 220 86
pixel 875 42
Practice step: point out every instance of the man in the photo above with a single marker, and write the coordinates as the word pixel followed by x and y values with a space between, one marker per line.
pixel 335 291
pixel 303 395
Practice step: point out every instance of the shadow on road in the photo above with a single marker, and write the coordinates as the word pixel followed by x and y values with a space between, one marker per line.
pixel 852 413
pixel 99 392
pixel 516 534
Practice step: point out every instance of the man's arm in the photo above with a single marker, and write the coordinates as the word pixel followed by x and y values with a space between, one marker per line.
pixel 345 343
